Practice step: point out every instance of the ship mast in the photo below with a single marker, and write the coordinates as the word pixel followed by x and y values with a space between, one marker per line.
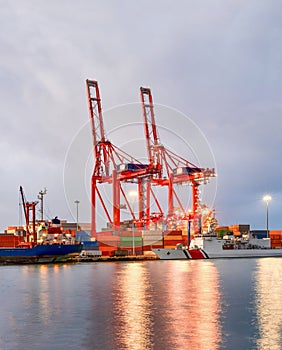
pixel 40 197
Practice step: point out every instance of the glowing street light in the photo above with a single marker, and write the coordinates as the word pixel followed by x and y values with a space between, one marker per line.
pixel 267 198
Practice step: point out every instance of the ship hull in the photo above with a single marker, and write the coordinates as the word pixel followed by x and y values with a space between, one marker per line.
pixel 179 254
pixel 39 254
pixel 245 253
pixel 182 254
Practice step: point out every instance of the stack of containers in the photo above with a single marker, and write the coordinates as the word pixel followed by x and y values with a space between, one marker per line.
pixel 172 238
pixel 107 242
pixel 258 234
pixel 240 229
pixel 185 237
pixel 10 241
pixel 276 238
pixel 128 237
pixel 152 239
pixel 11 230
pixel 220 230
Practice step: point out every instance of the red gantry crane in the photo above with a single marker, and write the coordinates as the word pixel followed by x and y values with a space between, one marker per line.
pixel 111 165
pixel 167 167
pixel 27 207
pixel 114 166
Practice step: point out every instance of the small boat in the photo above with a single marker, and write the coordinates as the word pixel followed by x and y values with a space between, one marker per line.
pixel 210 246
pixel 39 254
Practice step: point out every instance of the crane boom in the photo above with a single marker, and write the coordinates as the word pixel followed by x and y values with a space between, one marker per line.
pixel 152 139
pixel 24 208
pixel 95 111
pixel 101 146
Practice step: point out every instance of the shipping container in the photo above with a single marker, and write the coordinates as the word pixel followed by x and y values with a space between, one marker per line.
pixel 273 237
pixel 129 233
pixel 152 242
pixel 109 244
pixel 242 228
pixel 275 232
pixel 258 233
pixel 173 238
pixel 126 245
pixel 132 167
pixel 10 241
pixel 172 232
pixel 119 252
pixel 83 236
pixel 106 251
pixel 90 245
pixel 148 248
pixel 153 237
pixel 186 170
pixel 130 238
pixel 90 253
pixel 152 233
pixel 225 228
pixel 104 233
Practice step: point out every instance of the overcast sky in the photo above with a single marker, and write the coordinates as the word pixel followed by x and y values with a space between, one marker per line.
pixel 218 62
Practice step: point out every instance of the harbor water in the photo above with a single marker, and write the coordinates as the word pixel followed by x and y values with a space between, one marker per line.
pixel 204 304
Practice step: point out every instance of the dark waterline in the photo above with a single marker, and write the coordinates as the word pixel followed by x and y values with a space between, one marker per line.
pixel 214 304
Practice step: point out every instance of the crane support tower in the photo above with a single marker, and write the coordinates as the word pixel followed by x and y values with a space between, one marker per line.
pixel 167 167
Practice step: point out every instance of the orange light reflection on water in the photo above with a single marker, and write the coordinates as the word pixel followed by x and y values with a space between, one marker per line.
pixel 132 309
pixel 194 305
pixel 183 313
pixel 269 303
pixel 44 297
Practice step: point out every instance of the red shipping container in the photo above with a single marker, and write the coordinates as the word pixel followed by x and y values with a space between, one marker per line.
pixel 173 238
pixel 104 233
pixel 10 241
pixel 172 243
pixel 108 244
pixel 130 234
pixel 172 233
pixel 109 239
pixel 107 250
pixel 148 248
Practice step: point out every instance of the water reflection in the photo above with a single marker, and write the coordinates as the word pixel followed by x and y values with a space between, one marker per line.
pixel 132 309
pixel 269 303
pixel 173 305
pixel 192 308
pixel 130 306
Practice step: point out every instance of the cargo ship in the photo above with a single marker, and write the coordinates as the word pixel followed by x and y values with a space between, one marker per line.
pixel 39 253
pixel 210 246
pixel 37 241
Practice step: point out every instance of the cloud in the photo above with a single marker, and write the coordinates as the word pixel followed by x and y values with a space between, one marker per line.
pixel 218 62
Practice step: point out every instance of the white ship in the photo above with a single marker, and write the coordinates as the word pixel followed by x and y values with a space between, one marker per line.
pixel 209 246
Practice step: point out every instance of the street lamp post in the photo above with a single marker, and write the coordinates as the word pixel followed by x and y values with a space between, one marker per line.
pixel 77 203
pixel 267 198
pixel 133 195
pixel 189 216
